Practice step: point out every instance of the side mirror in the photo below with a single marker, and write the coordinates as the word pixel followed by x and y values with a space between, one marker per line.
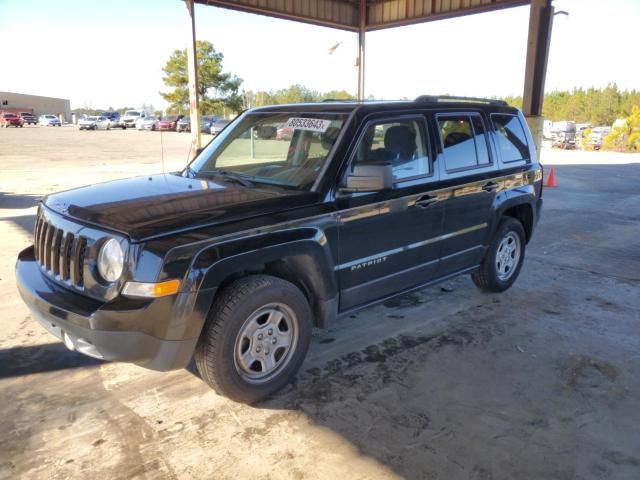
pixel 370 177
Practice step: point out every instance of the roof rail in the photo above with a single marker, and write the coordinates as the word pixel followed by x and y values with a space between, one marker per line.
pixel 450 98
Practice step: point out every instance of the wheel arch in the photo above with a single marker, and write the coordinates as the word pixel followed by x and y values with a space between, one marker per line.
pixel 519 206
pixel 304 260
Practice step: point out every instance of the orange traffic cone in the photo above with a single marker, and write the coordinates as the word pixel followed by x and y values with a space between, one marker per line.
pixel 551 179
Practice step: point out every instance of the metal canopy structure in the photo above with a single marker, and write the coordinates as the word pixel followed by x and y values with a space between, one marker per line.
pixel 363 16
pixel 379 14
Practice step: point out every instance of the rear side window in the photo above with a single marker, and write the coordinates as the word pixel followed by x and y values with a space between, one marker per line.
pixel 464 141
pixel 510 138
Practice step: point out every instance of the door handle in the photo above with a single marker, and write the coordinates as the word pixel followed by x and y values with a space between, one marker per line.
pixel 426 200
pixel 490 187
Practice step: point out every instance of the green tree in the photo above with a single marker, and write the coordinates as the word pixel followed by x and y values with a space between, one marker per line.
pixel 337 95
pixel 218 90
pixel 295 94
pixel 625 137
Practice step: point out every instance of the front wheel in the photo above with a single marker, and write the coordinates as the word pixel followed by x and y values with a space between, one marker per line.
pixel 503 260
pixel 255 339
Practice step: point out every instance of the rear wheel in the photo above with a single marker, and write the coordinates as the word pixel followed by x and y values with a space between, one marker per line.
pixel 255 339
pixel 502 263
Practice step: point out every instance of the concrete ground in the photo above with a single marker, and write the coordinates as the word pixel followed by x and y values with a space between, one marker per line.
pixel 540 382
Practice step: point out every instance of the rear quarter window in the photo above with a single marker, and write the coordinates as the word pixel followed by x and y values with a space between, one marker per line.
pixel 511 139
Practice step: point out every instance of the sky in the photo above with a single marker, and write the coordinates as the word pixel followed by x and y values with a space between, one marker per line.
pixel 102 54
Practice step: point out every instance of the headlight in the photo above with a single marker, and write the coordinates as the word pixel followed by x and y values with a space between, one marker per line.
pixel 110 260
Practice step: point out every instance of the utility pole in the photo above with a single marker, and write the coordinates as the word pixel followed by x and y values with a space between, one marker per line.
pixel 192 69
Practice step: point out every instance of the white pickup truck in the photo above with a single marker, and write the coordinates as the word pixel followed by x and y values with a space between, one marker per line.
pixel 130 117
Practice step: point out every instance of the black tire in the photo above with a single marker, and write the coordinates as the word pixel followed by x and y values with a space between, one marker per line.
pixel 487 277
pixel 215 353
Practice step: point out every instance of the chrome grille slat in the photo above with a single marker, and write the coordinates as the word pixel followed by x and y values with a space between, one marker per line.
pixel 43 231
pixel 47 246
pixel 76 261
pixel 55 252
pixel 65 252
pixel 36 233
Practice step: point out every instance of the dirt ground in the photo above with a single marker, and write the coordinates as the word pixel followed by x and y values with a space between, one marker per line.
pixel 540 382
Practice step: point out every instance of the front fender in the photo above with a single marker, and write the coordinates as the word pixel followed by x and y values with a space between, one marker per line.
pixel 302 256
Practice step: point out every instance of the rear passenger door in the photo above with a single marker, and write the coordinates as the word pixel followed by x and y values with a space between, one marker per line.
pixel 468 170
pixel 388 239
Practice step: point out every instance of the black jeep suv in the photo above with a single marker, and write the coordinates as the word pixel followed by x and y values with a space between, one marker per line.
pixel 234 259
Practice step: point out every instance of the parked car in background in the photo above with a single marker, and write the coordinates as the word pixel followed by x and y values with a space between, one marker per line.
pixel 205 123
pixel 28 118
pixel 114 119
pixel 94 123
pixel 563 134
pixel 130 117
pixel 184 124
pixel 8 119
pixel 48 120
pixel 284 133
pixel 217 126
pixel 168 123
pixel 146 123
pixel 597 136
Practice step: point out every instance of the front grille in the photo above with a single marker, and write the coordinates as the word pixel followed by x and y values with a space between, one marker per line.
pixel 59 253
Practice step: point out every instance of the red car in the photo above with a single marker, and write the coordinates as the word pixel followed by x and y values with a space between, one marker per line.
pixel 11 120
pixel 170 122
pixel 284 133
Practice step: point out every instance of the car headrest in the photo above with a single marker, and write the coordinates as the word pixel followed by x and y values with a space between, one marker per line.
pixel 400 140
pixel 455 138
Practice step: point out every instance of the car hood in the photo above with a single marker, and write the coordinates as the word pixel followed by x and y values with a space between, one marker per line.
pixel 152 206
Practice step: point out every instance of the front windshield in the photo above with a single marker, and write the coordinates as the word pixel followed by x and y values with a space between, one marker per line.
pixel 92 119
pixel 285 149
pixel 131 113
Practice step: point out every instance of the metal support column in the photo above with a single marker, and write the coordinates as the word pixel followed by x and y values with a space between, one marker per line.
pixel 361 35
pixel 540 26
pixel 192 68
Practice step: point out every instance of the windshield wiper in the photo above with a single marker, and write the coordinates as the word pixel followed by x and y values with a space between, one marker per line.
pixel 226 174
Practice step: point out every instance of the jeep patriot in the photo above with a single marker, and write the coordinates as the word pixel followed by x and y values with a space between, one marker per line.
pixel 264 236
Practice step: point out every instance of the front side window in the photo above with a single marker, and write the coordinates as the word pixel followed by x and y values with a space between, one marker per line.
pixel 285 149
pixel 464 142
pixel 398 142
pixel 511 139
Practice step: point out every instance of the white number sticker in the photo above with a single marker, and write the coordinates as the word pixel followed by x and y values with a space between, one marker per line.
pixel 310 124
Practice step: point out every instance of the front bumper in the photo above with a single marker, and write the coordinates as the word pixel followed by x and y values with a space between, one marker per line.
pixel 79 321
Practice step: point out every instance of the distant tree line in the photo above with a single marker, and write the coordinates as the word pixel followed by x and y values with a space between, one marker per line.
pixel 597 106
pixel 292 94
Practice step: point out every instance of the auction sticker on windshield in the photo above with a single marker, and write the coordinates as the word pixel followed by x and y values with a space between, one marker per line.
pixel 310 124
